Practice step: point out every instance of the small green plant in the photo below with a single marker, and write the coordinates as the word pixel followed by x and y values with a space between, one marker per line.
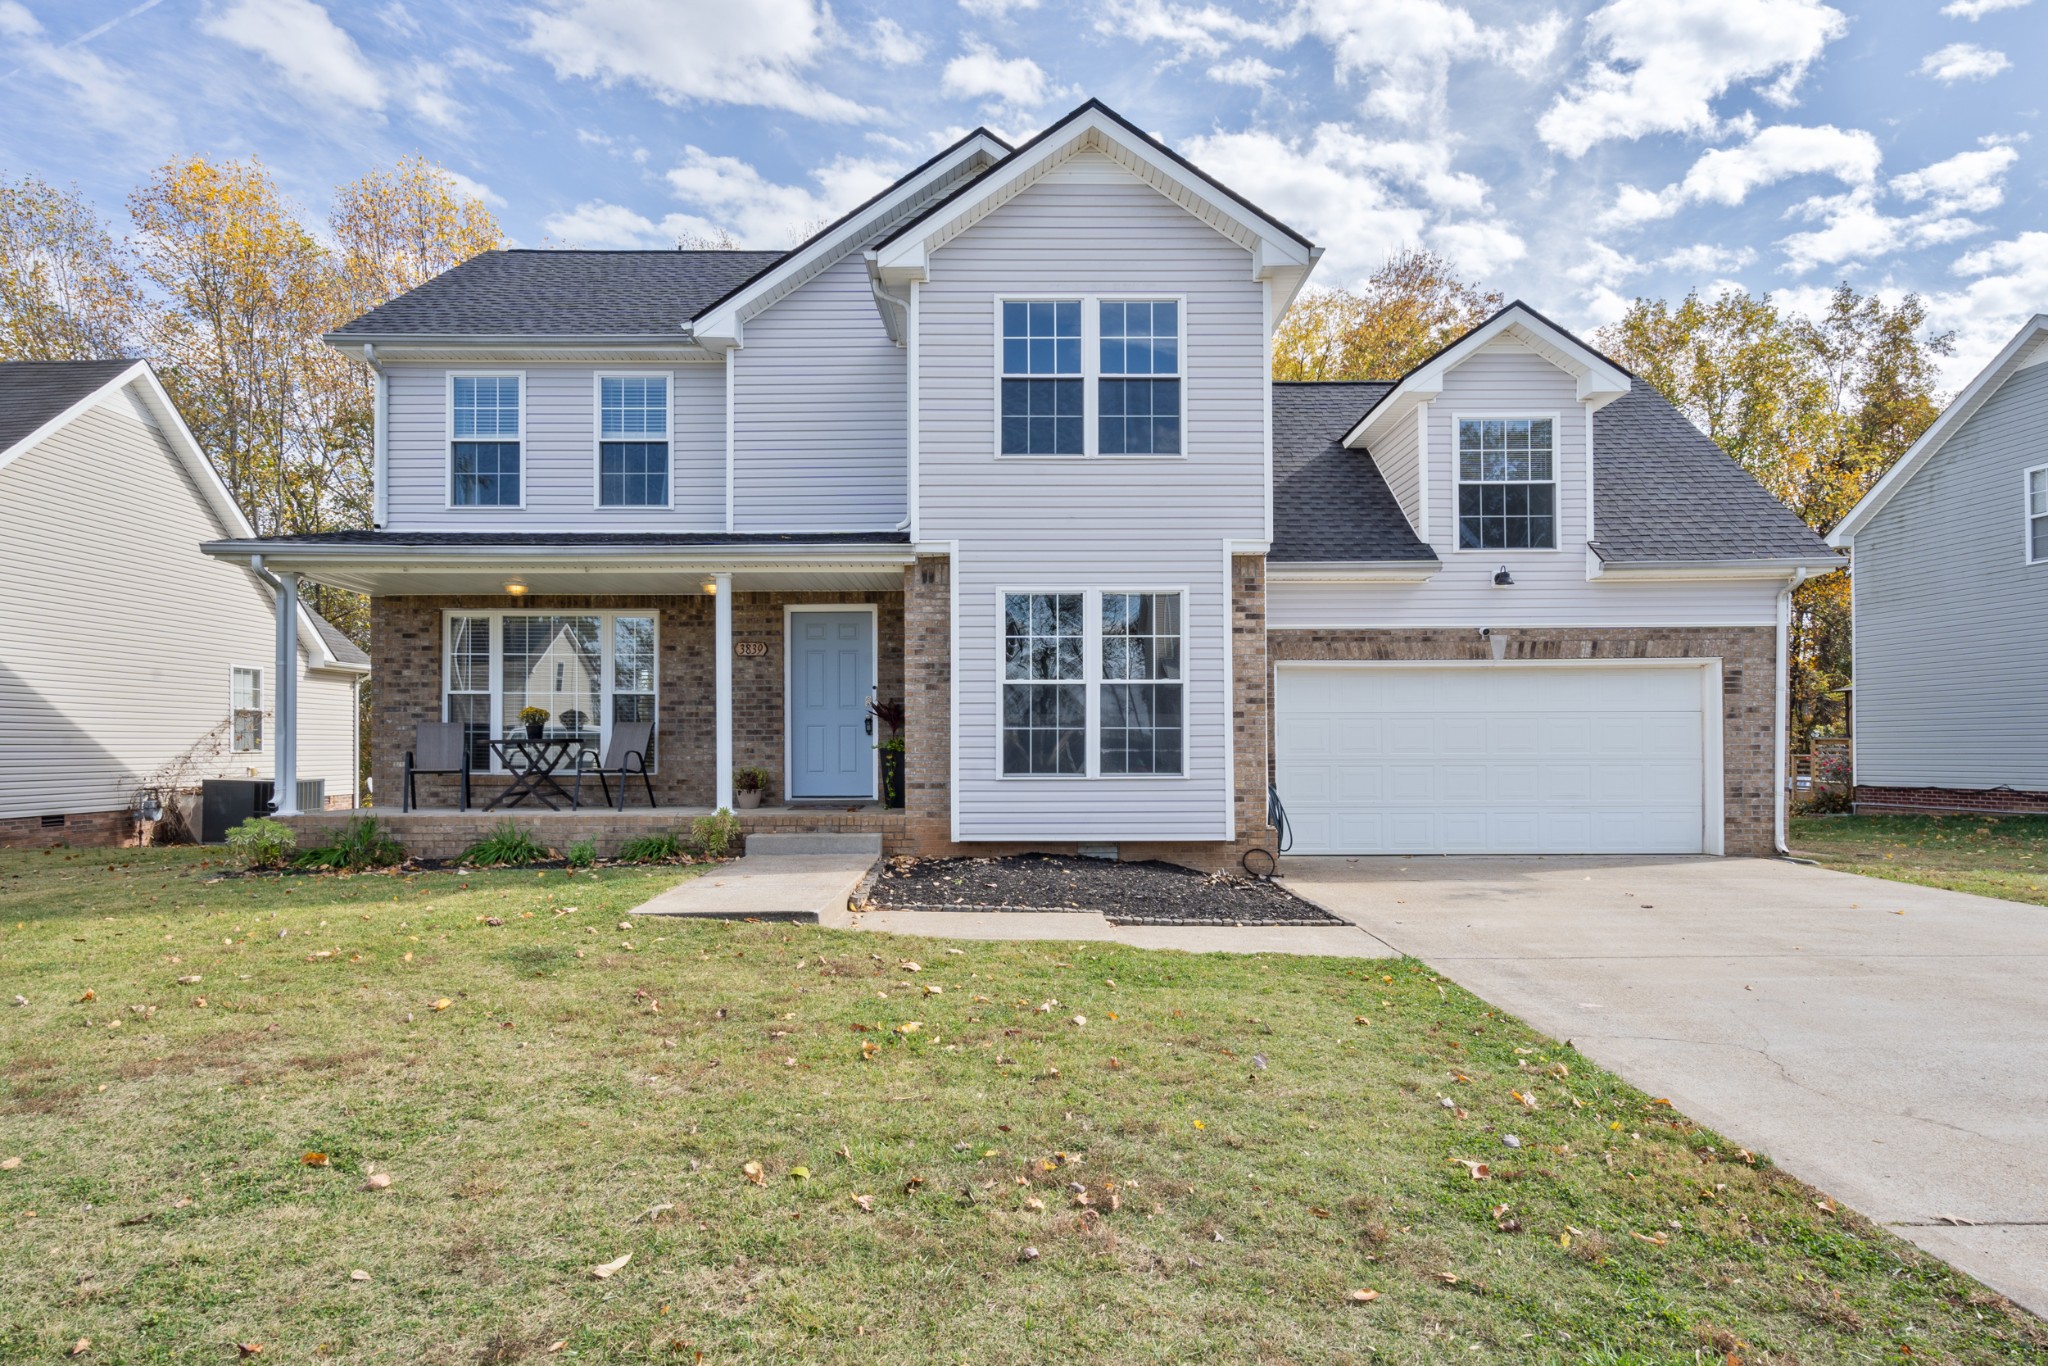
pixel 651 849
pixel 750 780
pixel 260 842
pixel 361 844
pixel 582 854
pixel 713 835
pixel 507 845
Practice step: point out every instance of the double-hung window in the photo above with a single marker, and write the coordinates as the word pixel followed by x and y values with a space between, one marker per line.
pixel 2037 514
pixel 246 704
pixel 632 441
pixel 1090 376
pixel 1092 684
pixel 588 670
pixel 1507 483
pixel 485 432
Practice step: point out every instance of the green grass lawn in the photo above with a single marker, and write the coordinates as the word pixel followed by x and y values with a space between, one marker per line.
pixel 812 1149
pixel 2002 856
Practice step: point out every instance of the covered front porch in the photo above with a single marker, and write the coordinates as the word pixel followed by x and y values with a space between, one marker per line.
pixel 444 833
pixel 754 657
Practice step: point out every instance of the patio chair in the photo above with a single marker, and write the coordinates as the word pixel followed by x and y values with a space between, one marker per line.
pixel 438 748
pixel 624 756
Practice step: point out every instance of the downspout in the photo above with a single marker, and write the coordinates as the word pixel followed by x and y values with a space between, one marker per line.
pixel 1780 736
pixel 899 330
pixel 379 438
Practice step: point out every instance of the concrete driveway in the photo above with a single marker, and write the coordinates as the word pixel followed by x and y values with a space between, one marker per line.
pixel 1883 1042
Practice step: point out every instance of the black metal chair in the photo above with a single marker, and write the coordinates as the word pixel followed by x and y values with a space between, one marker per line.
pixel 625 756
pixel 439 748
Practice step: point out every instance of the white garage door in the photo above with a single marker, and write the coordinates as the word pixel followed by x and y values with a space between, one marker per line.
pixel 1491 759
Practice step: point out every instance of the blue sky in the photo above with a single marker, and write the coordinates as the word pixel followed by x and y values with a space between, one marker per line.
pixel 1574 154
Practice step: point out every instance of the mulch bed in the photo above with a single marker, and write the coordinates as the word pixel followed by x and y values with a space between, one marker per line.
pixel 1125 893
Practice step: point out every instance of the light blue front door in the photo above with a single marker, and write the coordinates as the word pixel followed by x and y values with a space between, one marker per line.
pixel 831 677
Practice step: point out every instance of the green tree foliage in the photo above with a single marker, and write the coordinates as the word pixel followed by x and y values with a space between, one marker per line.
pixel 1408 308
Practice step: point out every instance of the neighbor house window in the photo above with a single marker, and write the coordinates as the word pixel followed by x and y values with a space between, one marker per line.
pixel 485 435
pixel 1141 711
pixel 587 669
pixel 246 703
pixel 632 444
pixel 1138 408
pixel 1507 484
pixel 2037 514
pixel 1045 693
pixel 1042 384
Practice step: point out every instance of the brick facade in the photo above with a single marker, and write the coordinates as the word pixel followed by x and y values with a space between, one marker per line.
pixel 1748 688
pixel 1996 801
pixel 80 830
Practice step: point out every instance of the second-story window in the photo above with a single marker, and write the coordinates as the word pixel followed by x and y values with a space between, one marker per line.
pixel 632 443
pixel 1139 405
pixel 1042 384
pixel 485 436
pixel 1507 484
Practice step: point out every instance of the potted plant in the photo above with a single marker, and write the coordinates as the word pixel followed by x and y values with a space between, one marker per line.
pixel 535 719
pixel 748 784
pixel 891 715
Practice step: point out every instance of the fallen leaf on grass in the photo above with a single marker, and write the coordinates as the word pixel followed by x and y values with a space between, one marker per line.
pixel 249 1349
pixel 359 1275
pixel 1447 1277
pixel 1364 1296
pixel 557 1345
pixel 81 1347
pixel 1825 1205
pixel 9 1164
pixel 611 1268
pixel 1653 1239
pixel 756 1173
pixel 1032 1202
pixel 799 1173
pixel 1478 1171
pixel 910 1027
pixel 191 981
pixel 442 1004
pixel 314 1160
pixel 1029 1254
pixel 378 1181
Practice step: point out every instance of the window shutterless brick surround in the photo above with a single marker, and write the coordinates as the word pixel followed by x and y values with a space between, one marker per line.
pixel 1994 801
pixel 1748 691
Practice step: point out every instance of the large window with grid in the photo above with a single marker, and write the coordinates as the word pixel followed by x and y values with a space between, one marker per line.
pixel 587 669
pixel 1045 702
pixel 1093 376
pixel 1042 384
pixel 1507 484
pixel 1141 702
pixel 1092 684
pixel 632 443
pixel 1138 407
pixel 245 704
pixel 485 430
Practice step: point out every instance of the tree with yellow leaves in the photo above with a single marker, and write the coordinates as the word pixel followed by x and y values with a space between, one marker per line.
pixel 1409 308
pixel 66 288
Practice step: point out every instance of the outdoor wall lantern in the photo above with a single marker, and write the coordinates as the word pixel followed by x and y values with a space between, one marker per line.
pixel 1503 579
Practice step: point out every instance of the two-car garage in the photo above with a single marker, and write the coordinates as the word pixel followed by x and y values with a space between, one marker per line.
pixel 1480 757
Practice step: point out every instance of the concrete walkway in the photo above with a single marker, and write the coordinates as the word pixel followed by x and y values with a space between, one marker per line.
pixel 1884 1042
pixel 1334 941
pixel 804 878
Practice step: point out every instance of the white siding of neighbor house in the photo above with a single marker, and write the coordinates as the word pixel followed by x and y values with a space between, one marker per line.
pixel 818 412
pixel 559 459
pixel 1507 379
pixel 118 637
pixel 1121 523
pixel 1951 657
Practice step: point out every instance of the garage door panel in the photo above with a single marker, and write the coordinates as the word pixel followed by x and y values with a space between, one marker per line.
pixel 1491 758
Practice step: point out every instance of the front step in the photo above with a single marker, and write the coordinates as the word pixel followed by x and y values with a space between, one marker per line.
pixel 805 846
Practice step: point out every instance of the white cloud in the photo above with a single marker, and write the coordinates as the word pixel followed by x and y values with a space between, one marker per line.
pixel 1855 229
pixel 1968 182
pixel 979 73
pixel 474 188
pixel 683 51
pixel 1963 62
pixel 1663 62
pixel 888 42
pixel 1973 10
pixel 2012 280
pixel 313 53
pixel 996 9
pixel 16 21
pixel 1727 175
pixel 1478 248
pixel 1704 258
pixel 1243 71
pixel 724 193
pixel 1206 30
pixel 598 224
pixel 1405 52
pixel 108 96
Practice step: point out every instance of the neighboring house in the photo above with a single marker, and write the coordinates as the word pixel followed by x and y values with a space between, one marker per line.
pixel 127 658
pixel 1002 443
pixel 1948 593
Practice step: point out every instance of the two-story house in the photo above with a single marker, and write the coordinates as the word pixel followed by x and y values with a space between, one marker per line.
pixel 1002 443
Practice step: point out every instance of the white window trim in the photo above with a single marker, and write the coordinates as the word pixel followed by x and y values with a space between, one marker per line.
pixel 449 438
pixel 233 707
pixel 1091 683
pixel 597 380
pixel 1091 372
pixel 1458 482
pixel 496 616
pixel 2027 514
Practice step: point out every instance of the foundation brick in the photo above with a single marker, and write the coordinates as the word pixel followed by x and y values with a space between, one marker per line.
pixel 1996 801
pixel 80 830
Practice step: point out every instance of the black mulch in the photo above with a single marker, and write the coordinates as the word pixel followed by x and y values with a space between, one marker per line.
pixel 1125 893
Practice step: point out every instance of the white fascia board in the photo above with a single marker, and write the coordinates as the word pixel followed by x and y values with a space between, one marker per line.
pixel 308 559
pixel 677 349
pixel 2027 347
pixel 1344 571
pixel 1600 381
pixel 1275 252
pixel 725 324
pixel 1713 570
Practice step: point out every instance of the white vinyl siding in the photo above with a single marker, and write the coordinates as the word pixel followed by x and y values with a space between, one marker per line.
pixel 558 475
pixel 1119 523
pixel 1949 652
pixel 118 637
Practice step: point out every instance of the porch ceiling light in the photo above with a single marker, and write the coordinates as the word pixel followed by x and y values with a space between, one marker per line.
pixel 711 587
pixel 516 587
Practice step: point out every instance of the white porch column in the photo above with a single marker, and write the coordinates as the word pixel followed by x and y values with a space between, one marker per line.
pixel 721 587
pixel 284 689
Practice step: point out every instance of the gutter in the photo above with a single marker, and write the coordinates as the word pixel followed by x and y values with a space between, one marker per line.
pixel 1709 569
pixel 654 554
pixel 1783 720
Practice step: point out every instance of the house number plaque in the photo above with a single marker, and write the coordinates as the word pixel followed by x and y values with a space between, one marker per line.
pixel 750 649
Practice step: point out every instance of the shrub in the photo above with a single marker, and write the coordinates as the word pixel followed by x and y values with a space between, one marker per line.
pixel 261 843
pixel 750 779
pixel 361 844
pixel 713 835
pixel 651 849
pixel 582 854
pixel 508 844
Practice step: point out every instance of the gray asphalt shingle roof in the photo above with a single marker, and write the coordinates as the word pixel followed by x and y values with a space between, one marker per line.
pixel 531 293
pixel 1330 503
pixel 338 644
pixel 34 391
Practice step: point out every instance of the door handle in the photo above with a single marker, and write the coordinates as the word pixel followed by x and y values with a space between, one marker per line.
pixel 870 723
